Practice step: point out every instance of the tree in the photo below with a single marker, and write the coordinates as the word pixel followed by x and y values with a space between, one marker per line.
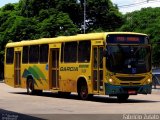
pixel 102 15
pixel 8 7
pixel 55 23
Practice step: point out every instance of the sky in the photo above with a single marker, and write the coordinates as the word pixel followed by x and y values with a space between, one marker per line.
pixel 3 2
pixel 124 5
pixel 132 5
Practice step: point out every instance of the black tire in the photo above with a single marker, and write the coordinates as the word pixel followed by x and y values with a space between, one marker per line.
pixel 122 97
pixel 90 96
pixel 83 91
pixel 64 94
pixel 38 92
pixel 30 87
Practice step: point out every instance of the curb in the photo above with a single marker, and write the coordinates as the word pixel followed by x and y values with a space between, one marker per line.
pixel 1 81
pixel 154 91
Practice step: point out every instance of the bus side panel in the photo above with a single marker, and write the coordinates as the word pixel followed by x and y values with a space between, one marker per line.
pixel 39 73
pixel 23 77
pixel 9 74
pixel 70 73
pixel 42 82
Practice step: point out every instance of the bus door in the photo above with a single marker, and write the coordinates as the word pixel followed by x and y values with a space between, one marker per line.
pixel 54 67
pixel 97 69
pixel 17 69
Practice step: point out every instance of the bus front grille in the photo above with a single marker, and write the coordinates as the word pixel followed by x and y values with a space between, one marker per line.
pixel 130 84
pixel 130 78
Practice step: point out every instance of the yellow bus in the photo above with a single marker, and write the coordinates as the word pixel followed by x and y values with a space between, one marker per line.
pixel 109 63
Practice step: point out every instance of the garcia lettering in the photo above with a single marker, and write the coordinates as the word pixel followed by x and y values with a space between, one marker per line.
pixel 69 69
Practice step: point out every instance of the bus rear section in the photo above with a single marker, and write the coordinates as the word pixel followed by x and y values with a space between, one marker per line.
pixel 12 67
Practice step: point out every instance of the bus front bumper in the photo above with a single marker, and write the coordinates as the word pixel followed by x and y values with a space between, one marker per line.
pixel 132 90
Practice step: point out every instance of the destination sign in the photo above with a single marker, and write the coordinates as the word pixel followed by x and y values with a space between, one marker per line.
pixel 127 39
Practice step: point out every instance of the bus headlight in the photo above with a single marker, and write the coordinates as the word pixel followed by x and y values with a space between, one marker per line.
pixel 110 80
pixel 149 80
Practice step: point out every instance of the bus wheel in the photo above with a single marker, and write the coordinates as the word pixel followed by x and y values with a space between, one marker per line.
pixel 122 97
pixel 38 92
pixel 30 87
pixel 64 94
pixel 83 91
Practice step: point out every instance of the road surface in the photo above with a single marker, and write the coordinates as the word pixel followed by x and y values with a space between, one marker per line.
pixel 16 100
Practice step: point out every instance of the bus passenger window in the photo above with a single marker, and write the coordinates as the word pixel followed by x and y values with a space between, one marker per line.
pixel 84 50
pixel 70 52
pixel 44 53
pixel 34 54
pixel 10 55
pixel 25 54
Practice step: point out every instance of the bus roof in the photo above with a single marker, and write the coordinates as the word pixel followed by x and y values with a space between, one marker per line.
pixel 89 36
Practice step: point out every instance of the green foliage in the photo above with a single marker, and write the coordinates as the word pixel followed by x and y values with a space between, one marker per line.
pixel 57 24
pixel 102 15
pixel 99 14
pixel 31 8
pixel 8 7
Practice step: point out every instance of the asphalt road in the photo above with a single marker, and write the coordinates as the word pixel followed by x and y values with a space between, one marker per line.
pixel 15 101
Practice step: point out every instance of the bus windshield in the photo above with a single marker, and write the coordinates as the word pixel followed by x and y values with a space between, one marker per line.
pixel 128 59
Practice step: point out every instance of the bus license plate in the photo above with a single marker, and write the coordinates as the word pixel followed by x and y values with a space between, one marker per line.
pixel 132 92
